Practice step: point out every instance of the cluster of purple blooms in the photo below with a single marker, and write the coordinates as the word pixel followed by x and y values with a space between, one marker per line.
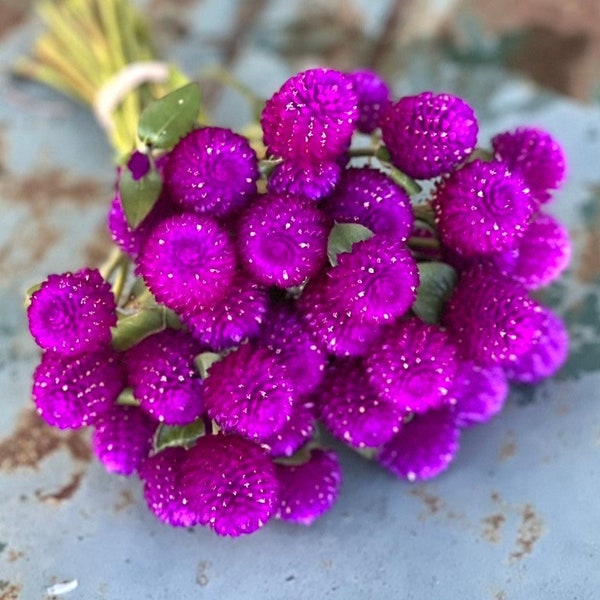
pixel 237 247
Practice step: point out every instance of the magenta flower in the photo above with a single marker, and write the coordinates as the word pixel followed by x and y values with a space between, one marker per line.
pixel 296 432
pixel 211 171
pixel 371 198
pixel 164 381
pixel 282 240
pixel 71 392
pixel 249 393
pixel 482 208
pixel 373 95
pixel 352 410
pixel 188 262
pixel 536 155
pixel 311 180
pixel 413 364
pixel 309 489
pixel 122 438
pixel 236 317
pixel 424 447
pixel 312 117
pixel 72 313
pixel 428 135
pixel 162 491
pixel 229 483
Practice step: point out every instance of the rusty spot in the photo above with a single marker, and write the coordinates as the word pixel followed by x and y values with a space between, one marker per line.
pixel 64 493
pixel 126 499
pixel 531 529
pixel 509 448
pixel 492 528
pixel 12 15
pixel 201 573
pixel 432 503
pixel 33 440
pixel 588 268
pixel 14 555
pixel 9 591
pixel 501 595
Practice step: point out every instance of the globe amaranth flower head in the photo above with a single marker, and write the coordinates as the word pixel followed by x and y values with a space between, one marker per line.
pixel 424 447
pixel 373 95
pixel 413 364
pixel 161 372
pixel 482 208
pixel 536 155
pixel 311 180
pixel 308 489
pixel 211 171
pixel 249 393
pixel 295 432
pixel 72 313
pixel 188 262
pixel 312 117
pixel 282 240
pixel 71 392
pixel 371 198
pixel 428 135
pixel 122 438
pixel 229 483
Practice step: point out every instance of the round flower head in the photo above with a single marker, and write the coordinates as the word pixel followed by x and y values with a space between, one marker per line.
pixel 161 372
pixel 188 262
pixel 237 317
pixel 311 180
pixel 160 474
pixel 540 256
pixel 282 240
pixel 482 208
pixel 71 392
pixel 371 198
pixel 536 155
pixel 377 281
pixel 546 355
pixel 428 135
pixel 373 95
pixel 298 430
pixel 424 447
pixel 211 171
pixel 491 317
pixel 229 483
pixel 122 438
pixel 351 409
pixel 478 393
pixel 249 393
pixel 312 117
pixel 413 364
pixel 72 313
pixel 310 489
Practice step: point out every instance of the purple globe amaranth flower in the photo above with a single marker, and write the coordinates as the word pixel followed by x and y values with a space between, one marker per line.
pixel 71 392
pixel 237 317
pixel 478 393
pixel 229 483
pixel 536 155
pixel 376 281
pixel 249 393
pixel 424 447
pixel 164 381
pixel 122 438
pixel 312 117
pixel 540 256
pixel 161 474
pixel 309 489
pixel 311 180
pixel 282 240
pixel 352 410
pixel 547 353
pixel 72 313
pixel 428 135
pixel 373 95
pixel 188 262
pixel 492 318
pixel 413 364
pixel 482 208
pixel 212 171
pixel 371 198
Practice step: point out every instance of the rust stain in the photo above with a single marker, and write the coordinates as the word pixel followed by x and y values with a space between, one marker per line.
pixel 14 555
pixel 588 268
pixel 9 591
pixel 126 499
pixel 33 440
pixel 492 528
pixel 66 492
pixel 531 529
pixel 432 503
pixel 12 15
pixel 201 573
pixel 508 449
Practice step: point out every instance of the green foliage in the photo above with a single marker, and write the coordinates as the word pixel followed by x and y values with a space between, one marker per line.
pixel 343 236
pixel 437 280
pixel 138 196
pixel 169 436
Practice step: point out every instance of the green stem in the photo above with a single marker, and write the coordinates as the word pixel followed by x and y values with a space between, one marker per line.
pixel 425 243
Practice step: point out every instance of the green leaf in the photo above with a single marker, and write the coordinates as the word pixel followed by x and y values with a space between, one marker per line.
pixel 126 398
pixel 169 436
pixel 32 290
pixel 204 361
pixel 437 280
pixel 134 328
pixel 343 236
pixel 168 119
pixel 139 196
